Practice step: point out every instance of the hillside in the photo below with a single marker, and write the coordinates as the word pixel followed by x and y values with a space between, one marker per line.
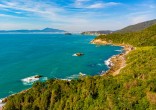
pixel 28 31
pixel 133 89
pixel 137 27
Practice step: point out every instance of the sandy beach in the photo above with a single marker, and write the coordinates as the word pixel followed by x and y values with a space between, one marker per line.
pixel 117 62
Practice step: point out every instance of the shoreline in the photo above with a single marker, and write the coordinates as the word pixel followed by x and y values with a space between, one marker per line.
pixel 116 62
pixel 3 101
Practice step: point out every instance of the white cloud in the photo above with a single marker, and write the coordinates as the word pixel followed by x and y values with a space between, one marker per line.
pixel 80 15
pixel 103 5
pixel 96 5
pixel 90 4
pixel 33 7
pixel 80 2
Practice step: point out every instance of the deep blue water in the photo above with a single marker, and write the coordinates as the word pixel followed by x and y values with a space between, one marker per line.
pixel 50 55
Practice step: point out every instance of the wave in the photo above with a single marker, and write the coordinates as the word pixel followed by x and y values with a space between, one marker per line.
pixel 109 63
pixel 30 80
pixel 74 76
pixel 119 50
pixel 44 78
pixel 74 55
pixel 2 102
pixel 99 64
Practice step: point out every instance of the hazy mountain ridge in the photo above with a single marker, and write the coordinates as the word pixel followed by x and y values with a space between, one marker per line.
pixel 138 26
pixel 131 28
pixel 43 30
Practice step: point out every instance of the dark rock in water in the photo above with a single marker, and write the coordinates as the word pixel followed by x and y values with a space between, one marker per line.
pixel 38 76
pixel 68 34
pixel 79 54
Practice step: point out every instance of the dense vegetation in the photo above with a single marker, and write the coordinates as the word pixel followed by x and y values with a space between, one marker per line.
pixel 137 27
pixel 134 88
pixel 146 37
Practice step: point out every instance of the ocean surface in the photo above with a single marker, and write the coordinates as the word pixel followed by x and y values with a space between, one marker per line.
pixel 49 55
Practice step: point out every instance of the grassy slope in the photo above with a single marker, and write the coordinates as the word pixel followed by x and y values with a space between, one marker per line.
pixel 134 88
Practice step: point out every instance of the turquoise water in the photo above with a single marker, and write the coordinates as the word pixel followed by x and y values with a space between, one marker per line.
pixel 50 55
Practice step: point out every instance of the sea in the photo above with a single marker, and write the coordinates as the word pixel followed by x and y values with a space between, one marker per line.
pixel 49 55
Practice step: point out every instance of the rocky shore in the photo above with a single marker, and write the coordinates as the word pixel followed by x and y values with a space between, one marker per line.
pixel 4 100
pixel 117 62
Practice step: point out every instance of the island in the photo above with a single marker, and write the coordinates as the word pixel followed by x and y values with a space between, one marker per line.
pixel 45 30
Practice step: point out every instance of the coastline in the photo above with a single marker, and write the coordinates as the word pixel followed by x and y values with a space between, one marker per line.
pixel 116 62
pixel 4 100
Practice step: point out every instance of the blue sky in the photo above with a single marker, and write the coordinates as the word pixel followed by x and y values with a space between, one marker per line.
pixel 74 15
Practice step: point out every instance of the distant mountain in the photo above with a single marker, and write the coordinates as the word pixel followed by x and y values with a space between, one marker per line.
pixel 131 28
pixel 28 31
pixel 97 32
pixel 137 27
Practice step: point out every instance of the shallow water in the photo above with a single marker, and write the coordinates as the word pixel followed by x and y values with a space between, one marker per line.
pixel 49 55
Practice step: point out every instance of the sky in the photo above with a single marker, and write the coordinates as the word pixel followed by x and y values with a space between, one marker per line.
pixel 74 15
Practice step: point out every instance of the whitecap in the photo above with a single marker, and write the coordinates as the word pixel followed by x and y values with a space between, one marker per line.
pixel 118 50
pixel 108 63
pixel 74 55
pixel 44 78
pixel 1 101
pixel 30 80
pixel 99 64
pixel 74 76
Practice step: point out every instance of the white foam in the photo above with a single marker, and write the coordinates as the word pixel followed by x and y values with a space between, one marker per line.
pixel 30 80
pixel 99 64
pixel 1 102
pixel 44 78
pixel 82 74
pixel 107 62
pixel 118 50
pixel 66 79
pixel 74 55
pixel 74 76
